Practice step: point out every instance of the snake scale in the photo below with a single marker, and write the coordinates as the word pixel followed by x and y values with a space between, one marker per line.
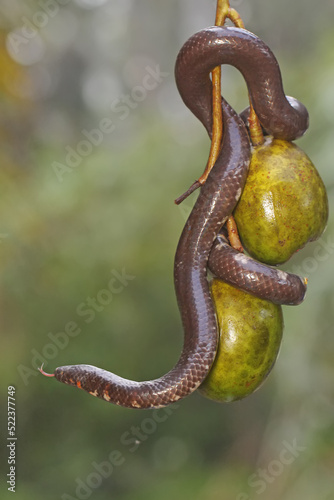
pixel 200 245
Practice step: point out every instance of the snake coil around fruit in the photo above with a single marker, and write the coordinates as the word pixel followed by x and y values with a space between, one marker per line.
pixel 199 248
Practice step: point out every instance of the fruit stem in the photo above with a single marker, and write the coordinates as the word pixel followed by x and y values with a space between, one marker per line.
pixel 234 16
pixel 255 129
pixel 222 10
pixel 233 234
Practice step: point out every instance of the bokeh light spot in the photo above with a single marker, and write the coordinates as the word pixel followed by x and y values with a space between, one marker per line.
pixel 23 50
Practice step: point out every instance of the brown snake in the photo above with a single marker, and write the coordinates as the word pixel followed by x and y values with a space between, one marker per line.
pixel 281 117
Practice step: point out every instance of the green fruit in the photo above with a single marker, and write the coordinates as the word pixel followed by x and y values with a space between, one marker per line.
pixel 250 332
pixel 284 203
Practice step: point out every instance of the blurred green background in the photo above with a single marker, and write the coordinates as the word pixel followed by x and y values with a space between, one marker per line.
pixel 67 67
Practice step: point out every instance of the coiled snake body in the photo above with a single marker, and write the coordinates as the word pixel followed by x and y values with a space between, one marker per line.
pixel 281 117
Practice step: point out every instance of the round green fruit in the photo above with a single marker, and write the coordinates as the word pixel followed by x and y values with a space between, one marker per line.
pixel 283 205
pixel 250 331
